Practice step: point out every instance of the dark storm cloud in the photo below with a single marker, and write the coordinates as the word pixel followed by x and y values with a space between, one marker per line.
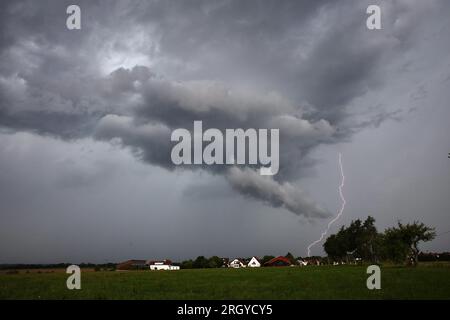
pixel 285 195
pixel 138 70
pixel 166 105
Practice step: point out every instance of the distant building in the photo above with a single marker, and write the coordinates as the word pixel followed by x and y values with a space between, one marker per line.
pixel 302 263
pixel 162 265
pixel 147 264
pixel 254 263
pixel 278 262
pixel 132 265
pixel 237 263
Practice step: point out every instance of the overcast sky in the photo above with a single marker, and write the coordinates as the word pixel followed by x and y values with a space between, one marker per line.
pixel 86 117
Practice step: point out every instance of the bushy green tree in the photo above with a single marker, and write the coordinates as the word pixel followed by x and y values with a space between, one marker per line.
pixel 402 242
pixel 215 262
pixel 334 246
pixel 370 242
pixel 360 239
pixel 393 247
pixel 363 240
pixel 200 262
pixel 266 259
pixel 187 264
pixel 291 258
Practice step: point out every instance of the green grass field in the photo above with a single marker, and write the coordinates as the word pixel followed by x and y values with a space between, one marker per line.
pixel 326 282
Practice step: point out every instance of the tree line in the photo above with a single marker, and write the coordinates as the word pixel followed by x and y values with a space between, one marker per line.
pixel 361 239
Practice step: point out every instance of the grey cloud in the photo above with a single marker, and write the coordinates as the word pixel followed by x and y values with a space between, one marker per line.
pixel 150 142
pixel 167 105
pixel 285 195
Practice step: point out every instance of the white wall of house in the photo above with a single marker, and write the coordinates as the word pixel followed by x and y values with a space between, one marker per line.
pixel 254 263
pixel 236 263
pixel 162 266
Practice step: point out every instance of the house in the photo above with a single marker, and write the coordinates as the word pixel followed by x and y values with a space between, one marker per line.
pixel 278 262
pixel 254 263
pixel 132 265
pixel 313 261
pixel 302 263
pixel 162 265
pixel 237 263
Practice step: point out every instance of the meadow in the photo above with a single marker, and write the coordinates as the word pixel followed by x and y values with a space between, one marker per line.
pixel 430 281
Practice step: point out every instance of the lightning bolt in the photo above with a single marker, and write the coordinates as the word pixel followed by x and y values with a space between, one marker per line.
pixel 340 211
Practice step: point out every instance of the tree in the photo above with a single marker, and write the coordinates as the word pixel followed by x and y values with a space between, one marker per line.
pixel 187 264
pixel 215 262
pixel 407 238
pixel 266 259
pixel 200 262
pixel 359 239
pixel 369 246
pixel 393 247
pixel 333 247
pixel 337 245
pixel 291 258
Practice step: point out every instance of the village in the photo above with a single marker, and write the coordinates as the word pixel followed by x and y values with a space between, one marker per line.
pixel 236 263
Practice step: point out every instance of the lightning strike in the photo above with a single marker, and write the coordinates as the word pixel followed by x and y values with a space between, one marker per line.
pixel 340 211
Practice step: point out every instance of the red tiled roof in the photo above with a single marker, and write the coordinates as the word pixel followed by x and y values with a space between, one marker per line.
pixel 280 258
pixel 130 264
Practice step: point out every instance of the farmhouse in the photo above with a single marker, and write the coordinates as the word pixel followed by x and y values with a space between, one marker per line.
pixel 254 263
pixel 162 265
pixel 278 262
pixel 237 263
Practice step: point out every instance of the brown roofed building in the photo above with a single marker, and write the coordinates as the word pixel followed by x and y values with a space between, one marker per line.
pixel 132 265
pixel 278 262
